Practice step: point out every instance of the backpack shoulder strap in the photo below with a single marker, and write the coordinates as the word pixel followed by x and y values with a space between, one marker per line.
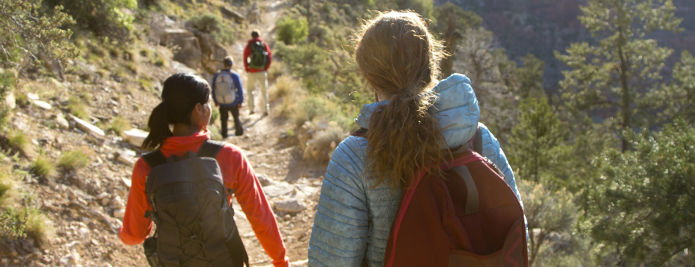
pixel 210 148
pixel 154 158
pixel 361 132
pixel 478 141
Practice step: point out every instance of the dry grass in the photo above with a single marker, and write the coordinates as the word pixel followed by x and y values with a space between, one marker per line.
pixel 119 125
pixel 42 166
pixel 73 160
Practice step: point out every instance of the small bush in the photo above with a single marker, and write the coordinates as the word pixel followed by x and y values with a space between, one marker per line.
pixel 285 86
pixel 6 186
pixel 292 30
pixel 105 18
pixel 37 226
pixel 119 125
pixel 11 224
pixel 73 160
pixel 19 141
pixel 207 23
pixel 42 167
pixel 77 107
pixel 215 114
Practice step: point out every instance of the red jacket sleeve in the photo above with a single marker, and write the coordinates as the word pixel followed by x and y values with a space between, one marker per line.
pixel 136 226
pixel 270 56
pixel 247 52
pixel 239 176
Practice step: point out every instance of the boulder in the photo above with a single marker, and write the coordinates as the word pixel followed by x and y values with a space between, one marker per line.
pixel 42 104
pixel 180 67
pixel 87 127
pixel 135 136
pixel 188 52
pixel 278 189
pixel 61 121
pixel 289 205
pixel 231 14
pixel 126 156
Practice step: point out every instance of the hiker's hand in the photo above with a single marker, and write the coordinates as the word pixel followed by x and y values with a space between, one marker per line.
pixel 238 106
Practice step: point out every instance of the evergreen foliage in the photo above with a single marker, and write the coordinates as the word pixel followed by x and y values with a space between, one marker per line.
pixel 642 206
pixel 105 18
pixel 611 77
pixel 30 33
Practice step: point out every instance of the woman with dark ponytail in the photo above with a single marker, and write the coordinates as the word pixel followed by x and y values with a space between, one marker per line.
pixel 415 124
pixel 178 125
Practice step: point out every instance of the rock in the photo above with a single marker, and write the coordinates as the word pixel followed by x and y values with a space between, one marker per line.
pixel 71 259
pixel 126 181
pixel 119 213
pixel 170 36
pixel 32 96
pixel 278 189
pixel 180 67
pixel 42 104
pixel 87 127
pixel 126 156
pixel 10 101
pixel 116 203
pixel 231 14
pixel 135 136
pixel 265 181
pixel 104 199
pixel 289 205
pixel 61 121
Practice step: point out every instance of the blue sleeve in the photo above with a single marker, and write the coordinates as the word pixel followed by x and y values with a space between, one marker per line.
pixel 239 88
pixel 493 151
pixel 214 99
pixel 341 225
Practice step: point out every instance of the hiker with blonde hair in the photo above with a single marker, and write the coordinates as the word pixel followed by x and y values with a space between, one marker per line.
pixel 415 124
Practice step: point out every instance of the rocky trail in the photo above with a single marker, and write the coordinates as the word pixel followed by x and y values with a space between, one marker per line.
pixel 85 206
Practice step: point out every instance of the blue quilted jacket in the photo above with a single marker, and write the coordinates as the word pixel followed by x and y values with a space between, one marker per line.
pixel 353 218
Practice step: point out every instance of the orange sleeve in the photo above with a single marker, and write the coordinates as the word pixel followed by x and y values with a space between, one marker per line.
pixel 239 176
pixel 136 226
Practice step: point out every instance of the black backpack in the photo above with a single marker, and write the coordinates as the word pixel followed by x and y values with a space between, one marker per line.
pixel 259 56
pixel 195 224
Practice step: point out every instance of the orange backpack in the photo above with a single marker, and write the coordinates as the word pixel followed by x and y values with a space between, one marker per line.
pixel 471 217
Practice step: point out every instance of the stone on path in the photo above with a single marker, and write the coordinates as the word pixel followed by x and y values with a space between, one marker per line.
pixel 126 156
pixel 135 136
pixel 10 101
pixel 289 205
pixel 42 104
pixel 61 121
pixel 278 189
pixel 87 127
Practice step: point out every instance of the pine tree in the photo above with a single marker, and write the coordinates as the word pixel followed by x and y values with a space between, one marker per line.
pixel 611 77
pixel 452 24
pixel 642 208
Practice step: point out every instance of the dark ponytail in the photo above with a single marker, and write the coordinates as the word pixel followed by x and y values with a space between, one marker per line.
pixel 180 94
pixel 159 127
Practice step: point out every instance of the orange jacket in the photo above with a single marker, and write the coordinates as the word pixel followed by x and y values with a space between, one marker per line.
pixel 238 176
pixel 247 53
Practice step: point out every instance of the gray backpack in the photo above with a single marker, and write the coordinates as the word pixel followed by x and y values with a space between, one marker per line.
pixel 225 91
pixel 195 224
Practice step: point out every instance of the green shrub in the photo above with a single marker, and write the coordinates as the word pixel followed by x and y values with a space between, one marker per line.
pixel 292 29
pixel 12 224
pixel 37 226
pixel 212 24
pixel 73 160
pixel 19 141
pixel 207 23
pixel 42 166
pixel 105 18
pixel 77 107
pixel 6 84
pixel 119 125
pixel 6 186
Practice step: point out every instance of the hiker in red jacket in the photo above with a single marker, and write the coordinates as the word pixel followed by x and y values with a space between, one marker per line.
pixel 186 105
pixel 257 58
